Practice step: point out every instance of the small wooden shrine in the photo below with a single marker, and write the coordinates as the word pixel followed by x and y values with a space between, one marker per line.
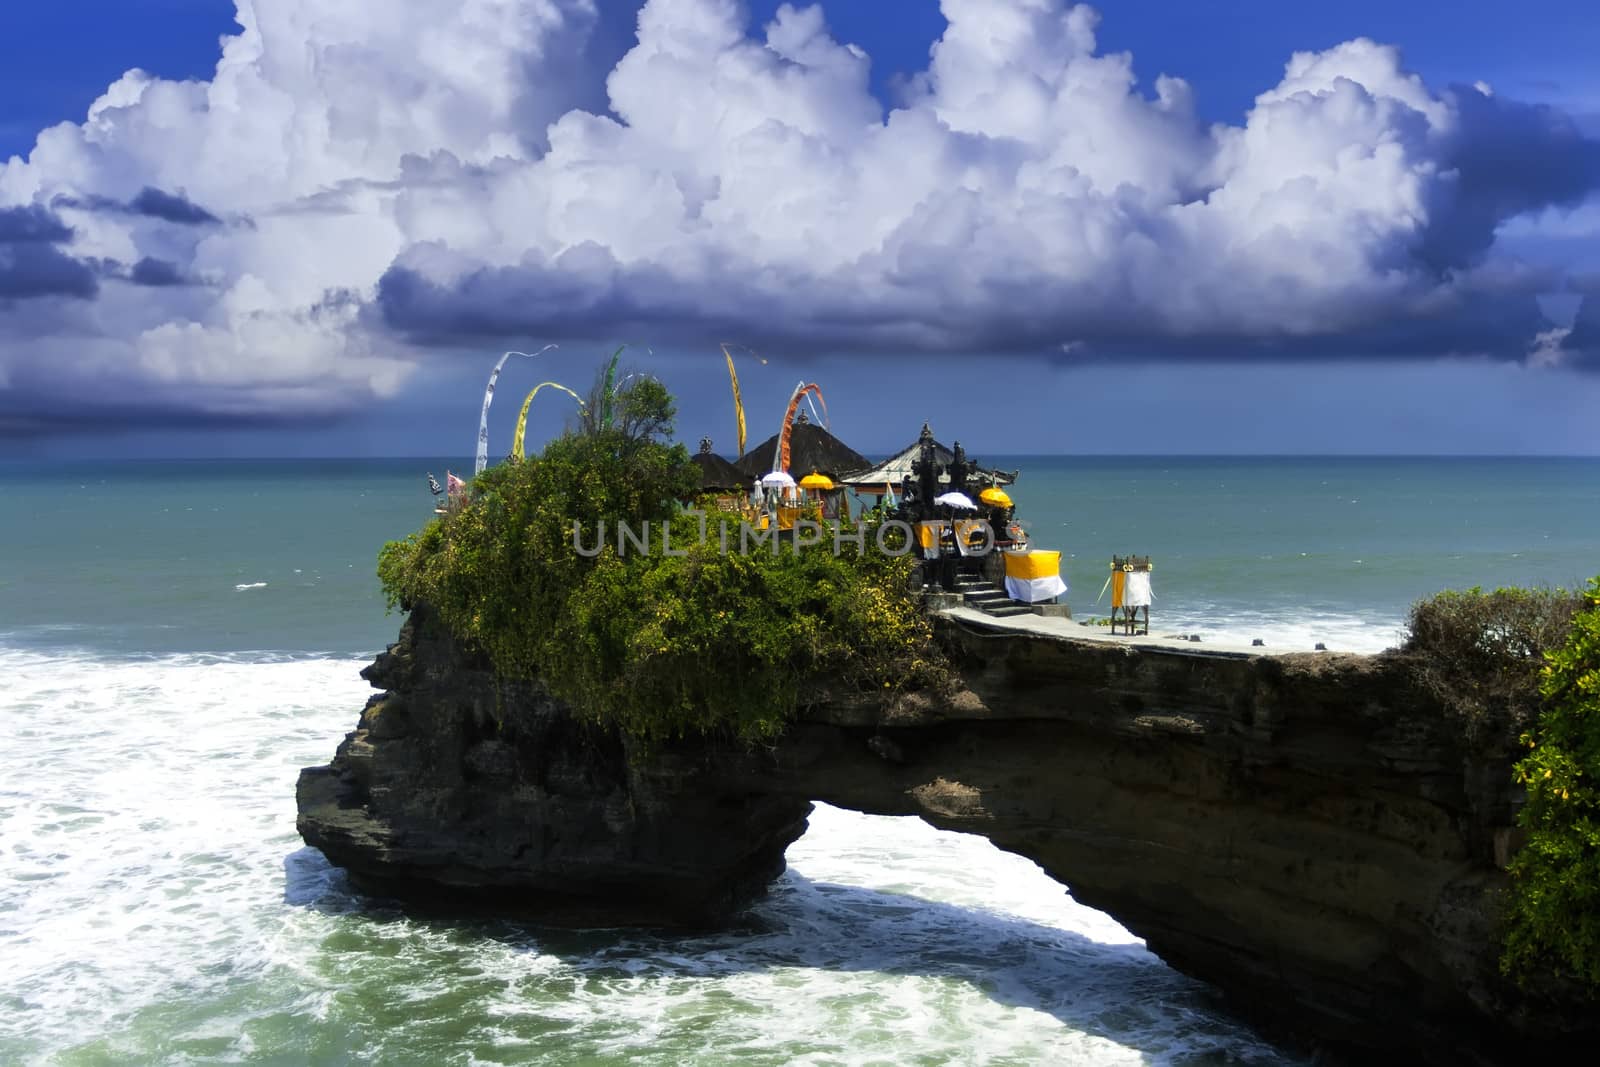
pixel 1130 594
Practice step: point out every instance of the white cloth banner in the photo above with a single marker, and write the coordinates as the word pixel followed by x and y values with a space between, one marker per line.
pixel 1136 590
pixel 481 460
pixel 1033 590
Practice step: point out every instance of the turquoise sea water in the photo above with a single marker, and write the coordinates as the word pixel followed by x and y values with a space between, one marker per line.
pixel 143 558
pixel 177 639
pixel 1297 550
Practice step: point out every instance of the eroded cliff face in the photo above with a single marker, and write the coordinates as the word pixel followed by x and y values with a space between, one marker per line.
pixel 1303 831
pixel 433 800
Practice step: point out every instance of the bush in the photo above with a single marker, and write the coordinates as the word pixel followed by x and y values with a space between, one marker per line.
pixel 669 645
pixel 1555 906
pixel 656 645
pixel 1480 655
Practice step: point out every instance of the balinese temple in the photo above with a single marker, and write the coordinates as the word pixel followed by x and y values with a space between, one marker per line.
pixel 896 470
pixel 716 473
pixel 811 448
pixel 718 477
pixel 817 462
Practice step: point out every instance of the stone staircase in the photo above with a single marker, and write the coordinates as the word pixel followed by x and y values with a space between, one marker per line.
pixel 983 596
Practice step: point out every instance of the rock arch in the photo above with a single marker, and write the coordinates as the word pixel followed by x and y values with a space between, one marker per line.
pixel 1300 831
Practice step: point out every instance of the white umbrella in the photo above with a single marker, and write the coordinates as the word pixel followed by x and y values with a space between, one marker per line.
pixel 778 479
pixel 956 500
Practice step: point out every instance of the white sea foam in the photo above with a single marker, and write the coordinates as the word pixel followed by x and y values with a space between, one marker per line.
pixel 156 904
pixel 1299 631
pixel 1280 630
pixel 242 586
pixel 145 810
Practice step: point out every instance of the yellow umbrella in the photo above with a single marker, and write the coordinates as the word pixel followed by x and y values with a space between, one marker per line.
pixel 996 496
pixel 816 481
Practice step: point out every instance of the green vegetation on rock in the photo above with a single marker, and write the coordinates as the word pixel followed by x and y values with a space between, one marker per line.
pixel 1519 671
pixel 1479 654
pixel 1555 905
pixel 658 645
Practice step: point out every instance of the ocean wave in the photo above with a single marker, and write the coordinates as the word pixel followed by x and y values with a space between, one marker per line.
pixel 242 586
pixel 1282 630
pixel 1334 634
pixel 157 904
pixel 147 808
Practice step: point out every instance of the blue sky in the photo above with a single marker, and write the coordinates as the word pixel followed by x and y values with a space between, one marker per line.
pixel 236 356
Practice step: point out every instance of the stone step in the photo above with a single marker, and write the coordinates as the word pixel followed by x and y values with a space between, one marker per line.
pixel 1005 611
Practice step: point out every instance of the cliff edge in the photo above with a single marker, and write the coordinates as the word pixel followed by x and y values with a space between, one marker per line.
pixel 1304 831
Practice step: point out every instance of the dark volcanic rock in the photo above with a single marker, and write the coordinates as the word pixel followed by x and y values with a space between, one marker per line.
pixel 1303 831
pixel 432 800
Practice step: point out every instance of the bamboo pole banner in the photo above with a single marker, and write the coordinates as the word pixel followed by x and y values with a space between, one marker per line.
pixel 482 459
pixel 738 401
pixel 780 461
pixel 608 392
pixel 522 418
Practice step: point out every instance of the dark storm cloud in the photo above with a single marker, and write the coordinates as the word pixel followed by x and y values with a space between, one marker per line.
pixel 1496 317
pixel 32 224
pixel 31 263
pixel 1511 158
pixel 34 411
pixel 156 273
pixel 1582 345
pixel 170 207
pixel 150 203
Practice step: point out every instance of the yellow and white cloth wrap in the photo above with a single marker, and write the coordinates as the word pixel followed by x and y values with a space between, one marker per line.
pixel 1034 576
pixel 929 537
pixel 1136 590
pixel 973 535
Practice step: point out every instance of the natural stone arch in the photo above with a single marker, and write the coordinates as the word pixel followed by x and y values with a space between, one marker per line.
pixel 1298 830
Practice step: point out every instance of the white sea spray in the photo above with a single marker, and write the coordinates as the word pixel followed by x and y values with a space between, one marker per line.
pixel 156 903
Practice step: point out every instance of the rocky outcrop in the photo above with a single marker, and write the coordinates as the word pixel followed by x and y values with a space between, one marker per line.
pixel 433 800
pixel 1304 831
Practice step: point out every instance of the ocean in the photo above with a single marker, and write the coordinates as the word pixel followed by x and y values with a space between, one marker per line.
pixel 178 639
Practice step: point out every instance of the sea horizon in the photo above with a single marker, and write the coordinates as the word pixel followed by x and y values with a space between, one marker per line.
pixel 195 628
pixel 1292 550
pixel 467 457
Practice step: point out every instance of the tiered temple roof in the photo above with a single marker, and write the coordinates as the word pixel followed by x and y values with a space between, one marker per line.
pixel 811 448
pixel 717 473
pixel 897 469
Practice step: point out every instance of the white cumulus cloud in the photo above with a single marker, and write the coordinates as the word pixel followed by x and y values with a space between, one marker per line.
pixel 362 181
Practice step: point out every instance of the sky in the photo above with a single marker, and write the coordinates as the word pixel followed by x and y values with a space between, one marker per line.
pixel 310 227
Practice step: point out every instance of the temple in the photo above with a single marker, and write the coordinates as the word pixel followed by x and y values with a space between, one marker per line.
pixel 811 448
pixel 895 471
pixel 969 547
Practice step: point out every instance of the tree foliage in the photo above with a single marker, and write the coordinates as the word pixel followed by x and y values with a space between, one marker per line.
pixel 1555 907
pixel 672 644
pixel 1480 655
pixel 659 645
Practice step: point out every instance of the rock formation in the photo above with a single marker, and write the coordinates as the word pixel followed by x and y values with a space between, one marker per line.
pixel 1304 831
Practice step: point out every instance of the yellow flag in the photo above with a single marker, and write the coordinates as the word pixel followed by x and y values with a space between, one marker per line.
pixel 522 419
pixel 738 403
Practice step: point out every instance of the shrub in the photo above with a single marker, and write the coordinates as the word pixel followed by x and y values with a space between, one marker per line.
pixel 1480 654
pixel 668 645
pixel 1554 927
pixel 656 645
